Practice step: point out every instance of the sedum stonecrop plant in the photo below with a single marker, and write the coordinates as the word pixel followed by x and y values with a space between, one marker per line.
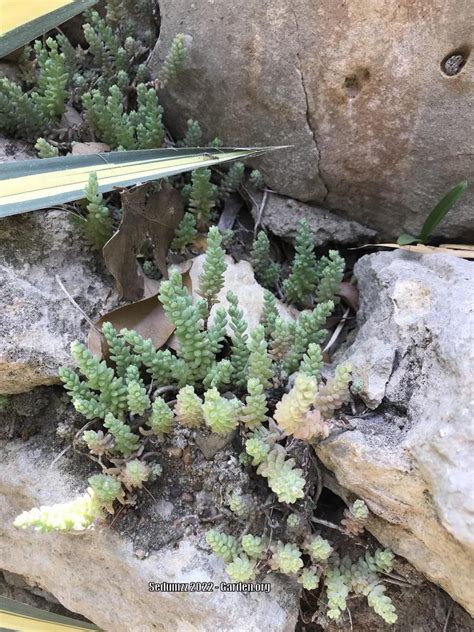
pixel 311 280
pixel 38 107
pixel 174 62
pixel 202 197
pixel 140 128
pixel 96 226
pixel 224 377
pixel 118 397
pixel 45 149
pixel 106 77
pixel 315 564
pixel 120 104
pixel 267 272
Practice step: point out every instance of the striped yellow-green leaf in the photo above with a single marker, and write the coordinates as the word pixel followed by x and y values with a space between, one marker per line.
pixel 21 21
pixel 35 184
pixel 19 616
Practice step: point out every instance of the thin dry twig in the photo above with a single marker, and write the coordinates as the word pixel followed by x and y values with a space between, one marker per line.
pixel 62 453
pixel 260 211
pixel 337 331
pixel 448 616
pixel 350 617
pixel 165 389
pixel 319 482
pixel 149 493
pixel 153 453
pixel 215 518
pixel 68 208
pixel 81 430
pixel 116 516
pixel 61 285
pixel 397 578
pixel 185 519
pixel 328 524
pixel 397 582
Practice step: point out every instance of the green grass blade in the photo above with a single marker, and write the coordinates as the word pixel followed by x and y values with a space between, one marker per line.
pixel 39 184
pixel 440 210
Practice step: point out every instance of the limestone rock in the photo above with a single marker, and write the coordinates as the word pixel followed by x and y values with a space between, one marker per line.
pixel 38 321
pixel 240 279
pixel 98 574
pixel 282 215
pixel 377 129
pixel 411 459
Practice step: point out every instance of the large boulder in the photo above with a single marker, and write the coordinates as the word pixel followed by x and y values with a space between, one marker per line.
pixel 104 575
pixel 375 98
pixel 38 320
pixel 410 456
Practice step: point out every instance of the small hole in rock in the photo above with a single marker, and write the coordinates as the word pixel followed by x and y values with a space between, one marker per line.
pixel 453 63
pixel 353 83
pixel 352 86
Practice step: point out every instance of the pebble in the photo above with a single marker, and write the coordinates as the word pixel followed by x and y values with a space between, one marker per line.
pixel 175 452
pixel 196 485
pixel 187 497
pixel 187 456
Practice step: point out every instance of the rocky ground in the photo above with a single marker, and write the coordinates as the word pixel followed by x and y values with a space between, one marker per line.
pixel 406 442
pixel 405 453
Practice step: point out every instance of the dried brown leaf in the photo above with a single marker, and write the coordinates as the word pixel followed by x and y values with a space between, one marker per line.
pixel 147 317
pixel 231 209
pixel 349 294
pixel 84 149
pixel 146 213
pixel 200 243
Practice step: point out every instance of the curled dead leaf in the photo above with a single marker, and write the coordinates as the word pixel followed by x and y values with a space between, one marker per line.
pixel 146 213
pixel 349 294
pixel 200 243
pixel 232 206
pixel 147 317
pixel 85 149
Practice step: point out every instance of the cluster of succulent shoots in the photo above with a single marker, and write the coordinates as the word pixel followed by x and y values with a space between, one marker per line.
pixel 311 280
pixel 106 80
pixel 222 377
pixel 55 73
pixel 309 558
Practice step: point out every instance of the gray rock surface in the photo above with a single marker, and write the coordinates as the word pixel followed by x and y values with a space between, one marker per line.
pixel 281 216
pixel 98 574
pixel 14 149
pixel 38 321
pixel 412 458
pixel 378 130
